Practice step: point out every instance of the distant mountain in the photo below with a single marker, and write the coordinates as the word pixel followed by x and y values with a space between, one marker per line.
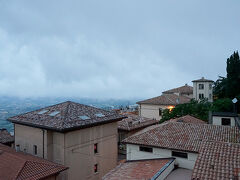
pixel 11 106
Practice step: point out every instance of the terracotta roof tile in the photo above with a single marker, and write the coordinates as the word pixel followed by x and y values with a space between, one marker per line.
pixel 5 136
pixel 182 90
pixel 217 160
pixel 138 169
pixel 203 80
pixel 183 136
pixel 66 116
pixel 20 166
pixel 166 99
pixel 187 119
pixel 133 122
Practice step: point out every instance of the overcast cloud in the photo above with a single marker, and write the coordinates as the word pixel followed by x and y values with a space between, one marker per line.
pixel 113 49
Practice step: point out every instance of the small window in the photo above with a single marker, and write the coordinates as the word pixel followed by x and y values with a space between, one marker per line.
pixel 201 86
pixel 201 96
pixel 179 154
pixel 54 113
pixel 226 121
pixel 160 111
pixel 210 86
pixel 35 149
pixel 18 148
pixel 96 168
pixel 145 149
pixel 100 115
pixel 84 117
pixel 95 148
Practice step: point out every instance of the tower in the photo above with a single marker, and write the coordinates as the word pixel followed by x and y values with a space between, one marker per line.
pixel 202 88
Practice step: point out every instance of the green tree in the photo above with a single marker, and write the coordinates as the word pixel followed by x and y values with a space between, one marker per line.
pixel 229 87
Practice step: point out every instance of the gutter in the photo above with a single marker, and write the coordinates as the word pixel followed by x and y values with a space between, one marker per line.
pixel 43 141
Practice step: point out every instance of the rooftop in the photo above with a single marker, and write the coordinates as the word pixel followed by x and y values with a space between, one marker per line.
pixel 133 122
pixel 187 119
pixel 224 114
pixel 66 116
pixel 5 137
pixel 183 136
pixel 20 166
pixel 217 160
pixel 203 80
pixel 182 90
pixel 138 169
pixel 166 99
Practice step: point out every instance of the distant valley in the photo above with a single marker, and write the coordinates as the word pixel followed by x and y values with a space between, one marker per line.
pixel 11 106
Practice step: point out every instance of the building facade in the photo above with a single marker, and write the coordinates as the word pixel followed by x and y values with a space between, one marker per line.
pixel 80 137
pixel 203 89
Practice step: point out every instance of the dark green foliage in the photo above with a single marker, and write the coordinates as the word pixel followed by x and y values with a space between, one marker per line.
pixel 198 109
pixel 229 87
pixel 222 105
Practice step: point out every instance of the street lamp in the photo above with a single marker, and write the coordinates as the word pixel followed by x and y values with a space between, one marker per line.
pixel 234 105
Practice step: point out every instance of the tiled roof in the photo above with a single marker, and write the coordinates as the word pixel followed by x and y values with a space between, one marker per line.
pixel 137 169
pixel 182 90
pixel 217 160
pixel 133 122
pixel 20 166
pixel 5 136
pixel 203 80
pixel 66 116
pixel 166 99
pixel 183 136
pixel 187 119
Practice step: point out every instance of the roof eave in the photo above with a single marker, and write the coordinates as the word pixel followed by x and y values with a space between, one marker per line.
pixel 64 130
pixel 124 142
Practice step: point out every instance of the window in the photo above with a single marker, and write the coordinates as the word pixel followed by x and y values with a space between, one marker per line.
pixel 201 86
pixel 210 86
pixel 201 96
pixel 179 154
pixel 145 149
pixel 160 111
pixel 95 148
pixel 226 121
pixel 18 148
pixel 96 168
pixel 34 149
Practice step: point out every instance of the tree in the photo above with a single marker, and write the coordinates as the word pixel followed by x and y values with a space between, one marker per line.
pixel 229 87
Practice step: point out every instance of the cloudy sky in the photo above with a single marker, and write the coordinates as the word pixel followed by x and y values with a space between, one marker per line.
pixel 113 49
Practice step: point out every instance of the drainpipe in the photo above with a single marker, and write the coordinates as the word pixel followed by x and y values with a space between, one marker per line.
pixel 43 142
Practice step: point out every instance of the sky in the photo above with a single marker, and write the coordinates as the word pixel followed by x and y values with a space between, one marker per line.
pixel 113 49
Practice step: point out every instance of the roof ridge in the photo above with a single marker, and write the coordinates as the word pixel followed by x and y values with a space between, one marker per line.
pixel 53 166
pixel 20 170
pixel 169 99
pixel 66 112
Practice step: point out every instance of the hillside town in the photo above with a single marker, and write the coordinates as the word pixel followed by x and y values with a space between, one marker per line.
pixel 119 90
pixel 70 141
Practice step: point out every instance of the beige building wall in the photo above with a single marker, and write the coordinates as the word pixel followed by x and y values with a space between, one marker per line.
pixel 207 91
pixel 79 151
pixel 151 111
pixel 26 137
pixel 73 149
pixel 133 153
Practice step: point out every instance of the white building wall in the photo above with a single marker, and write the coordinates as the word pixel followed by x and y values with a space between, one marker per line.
pixel 133 153
pixel 217 120
pixel 151 111
pixel 207 91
